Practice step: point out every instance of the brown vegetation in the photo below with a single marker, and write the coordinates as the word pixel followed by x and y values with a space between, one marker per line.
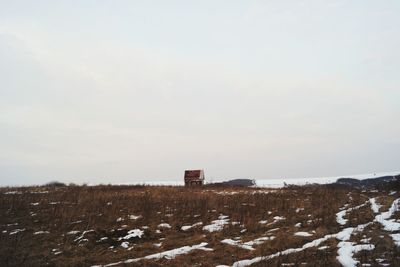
pixel 104 212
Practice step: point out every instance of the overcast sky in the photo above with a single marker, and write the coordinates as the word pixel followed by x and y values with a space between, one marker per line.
pixel 139 91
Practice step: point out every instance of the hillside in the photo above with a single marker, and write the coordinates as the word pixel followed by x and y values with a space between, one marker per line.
pixel 175 226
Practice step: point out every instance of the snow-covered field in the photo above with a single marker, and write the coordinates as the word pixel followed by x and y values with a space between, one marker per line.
pixel 277 183
pixel 154 226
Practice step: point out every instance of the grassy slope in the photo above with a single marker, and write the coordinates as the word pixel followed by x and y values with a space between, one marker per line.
pixel 66 209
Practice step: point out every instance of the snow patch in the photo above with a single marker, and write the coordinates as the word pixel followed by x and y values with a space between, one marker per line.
pixel 164 225
pixel 384 216
pixel 217 225
pixel 374 205
pixel 188 227
pixel 305 234
pixel 249 244
pixel 125 244
pixel 346 251
pixel 13 193
pixel 16 231
pixel 73 232
pixel 132 233
pixel 169 254
pixel 396 239
pixel 134 217
pixel 41 232
pixel 288 251
pixel 340 215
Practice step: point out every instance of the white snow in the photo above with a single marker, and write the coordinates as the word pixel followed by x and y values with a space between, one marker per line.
pixel 314 243
pixel 217 225
pixel 224 193
pixel 339 216
pixel 374 205
pixel 133 233
pixel 342 235
pixel 345 234
pixel 16 231
pixel 73 232
pixel 396 239
pixel 56 251
pixel 249 244
pixel 305 234
pixel 134 217
pixel 164 225
pixel 76 222
pixel 80 238
pixel 365 240
pixel 390 225
pixel 12 193
pixel 236 243
pixel 346 251
pixel 384 216
pixel 169 254
pixel 41 232
pixel 187 227
pixel 277 219
pixel 277 183
pixel 39 192
pixel 125 244
pixel 259 241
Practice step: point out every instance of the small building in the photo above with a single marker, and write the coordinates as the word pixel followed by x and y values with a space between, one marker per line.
pixel 194 177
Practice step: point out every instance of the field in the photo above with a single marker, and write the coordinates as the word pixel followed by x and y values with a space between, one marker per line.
pixel 176 226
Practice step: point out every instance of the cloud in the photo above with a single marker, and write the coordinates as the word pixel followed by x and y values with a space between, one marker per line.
pixel 108 107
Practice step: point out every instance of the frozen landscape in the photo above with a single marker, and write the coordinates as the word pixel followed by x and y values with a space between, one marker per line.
pixel 277 183
pixel 199 133
pixel 310 225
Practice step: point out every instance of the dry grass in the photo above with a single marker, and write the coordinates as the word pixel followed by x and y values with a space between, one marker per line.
pixel 64 209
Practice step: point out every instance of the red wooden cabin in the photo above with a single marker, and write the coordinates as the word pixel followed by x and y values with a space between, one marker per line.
pixel 194 177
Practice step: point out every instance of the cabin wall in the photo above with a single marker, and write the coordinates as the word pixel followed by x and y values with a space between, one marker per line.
pixel 194 183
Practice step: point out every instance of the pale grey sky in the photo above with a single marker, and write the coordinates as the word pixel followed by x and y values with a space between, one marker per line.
pixel 137 91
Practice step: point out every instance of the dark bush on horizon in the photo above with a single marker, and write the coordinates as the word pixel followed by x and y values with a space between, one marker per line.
pixel 55 184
